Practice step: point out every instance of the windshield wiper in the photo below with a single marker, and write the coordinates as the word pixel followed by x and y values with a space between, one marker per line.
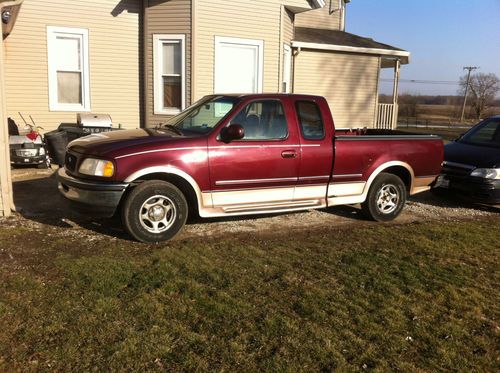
pixel 173 128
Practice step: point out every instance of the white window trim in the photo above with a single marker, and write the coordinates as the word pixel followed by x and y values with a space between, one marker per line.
pixel 54 105
pixel 157 69
pixel 239 41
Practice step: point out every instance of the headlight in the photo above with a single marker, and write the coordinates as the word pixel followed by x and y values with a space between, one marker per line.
pixel 41 151
pixel 486 173
pixel 97 167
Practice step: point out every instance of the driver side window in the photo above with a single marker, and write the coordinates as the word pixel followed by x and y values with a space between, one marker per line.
pixel 263 120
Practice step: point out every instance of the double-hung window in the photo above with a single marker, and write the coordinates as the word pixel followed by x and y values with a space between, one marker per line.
pixel 169 73
pixel 68 62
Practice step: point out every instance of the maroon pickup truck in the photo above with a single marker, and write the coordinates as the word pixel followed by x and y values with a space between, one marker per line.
pixel 245 154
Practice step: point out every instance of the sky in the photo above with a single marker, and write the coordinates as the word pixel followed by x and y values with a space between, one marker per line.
pixel 442 36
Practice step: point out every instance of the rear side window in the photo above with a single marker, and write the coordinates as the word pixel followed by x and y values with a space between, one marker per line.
pixel 311 123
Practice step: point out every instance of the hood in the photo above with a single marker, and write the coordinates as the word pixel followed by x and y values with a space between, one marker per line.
pixel 474 155
pixel 116 142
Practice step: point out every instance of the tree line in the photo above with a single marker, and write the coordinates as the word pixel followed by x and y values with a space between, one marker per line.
pixel 482 98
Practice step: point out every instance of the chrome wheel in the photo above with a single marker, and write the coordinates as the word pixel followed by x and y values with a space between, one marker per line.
pixel 387 198
pixel 157 214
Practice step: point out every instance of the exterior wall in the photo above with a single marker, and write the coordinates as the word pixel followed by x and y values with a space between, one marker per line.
pixel 348 81
pixel 323 18
pixel 165 17
pixel 248 19
pixel 114 59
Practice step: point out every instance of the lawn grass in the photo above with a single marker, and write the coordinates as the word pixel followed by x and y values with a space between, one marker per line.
pixel 417 297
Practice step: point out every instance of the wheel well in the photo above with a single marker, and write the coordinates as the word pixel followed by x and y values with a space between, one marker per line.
pixel 402 173
pixel 180 183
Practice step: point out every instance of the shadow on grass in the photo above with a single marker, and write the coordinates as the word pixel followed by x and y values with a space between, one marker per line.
pixel 449 199
pixel 39 200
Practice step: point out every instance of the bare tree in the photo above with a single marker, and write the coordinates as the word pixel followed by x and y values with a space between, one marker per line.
pixel 483 89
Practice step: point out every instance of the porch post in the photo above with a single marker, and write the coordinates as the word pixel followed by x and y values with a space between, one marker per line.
pixel 9 10
pixel 6 200
pixel 397 67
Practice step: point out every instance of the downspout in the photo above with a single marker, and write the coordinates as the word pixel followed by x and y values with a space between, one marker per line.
pixel 342 9
pixel 194 46
pixel 294 59
pixel 144 66
pixel 8 12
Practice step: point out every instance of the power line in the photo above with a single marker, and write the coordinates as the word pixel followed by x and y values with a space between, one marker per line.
pixel 419 81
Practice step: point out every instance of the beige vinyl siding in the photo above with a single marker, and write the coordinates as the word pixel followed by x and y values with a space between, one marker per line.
pixel 288 29
pixel 113 28
pixel 248 19
pixel 320 18
pixel 348 81
pixel 165 17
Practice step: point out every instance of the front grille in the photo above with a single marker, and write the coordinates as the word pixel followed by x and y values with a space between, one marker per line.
pixel 27 152
pixel 70 162
pixel 457 169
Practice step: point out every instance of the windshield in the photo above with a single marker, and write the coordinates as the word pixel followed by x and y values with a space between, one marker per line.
pixel 203 115
pixel 484 134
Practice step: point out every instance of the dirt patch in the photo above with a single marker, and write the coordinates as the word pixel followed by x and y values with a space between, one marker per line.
pixel 41 207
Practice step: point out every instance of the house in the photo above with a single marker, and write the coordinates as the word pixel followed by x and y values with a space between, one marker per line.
pixel 142 61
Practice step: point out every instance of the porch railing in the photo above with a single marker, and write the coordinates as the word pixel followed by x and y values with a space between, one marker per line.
pixel 387 116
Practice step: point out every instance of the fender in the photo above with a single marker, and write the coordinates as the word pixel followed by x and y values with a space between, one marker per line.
pixel 360 198
pixel 204 199
pixel 385 166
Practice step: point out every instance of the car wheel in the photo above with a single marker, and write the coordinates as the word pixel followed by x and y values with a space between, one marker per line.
pixel 386 198
pixel 154 211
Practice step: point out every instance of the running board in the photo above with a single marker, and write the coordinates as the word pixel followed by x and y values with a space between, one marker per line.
pixel 275 207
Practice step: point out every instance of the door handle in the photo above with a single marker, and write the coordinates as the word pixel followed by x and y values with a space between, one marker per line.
pixel 289 154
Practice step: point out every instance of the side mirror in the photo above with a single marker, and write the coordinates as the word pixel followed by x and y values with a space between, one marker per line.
pixel 231 133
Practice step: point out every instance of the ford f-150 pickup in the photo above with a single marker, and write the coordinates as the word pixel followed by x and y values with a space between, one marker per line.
pixel 245 154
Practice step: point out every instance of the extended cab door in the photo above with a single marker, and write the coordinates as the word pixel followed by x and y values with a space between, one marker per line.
pixel 316 146
pixel 261 169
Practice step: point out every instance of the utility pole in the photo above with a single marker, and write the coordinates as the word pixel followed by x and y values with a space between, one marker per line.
pixel 469 68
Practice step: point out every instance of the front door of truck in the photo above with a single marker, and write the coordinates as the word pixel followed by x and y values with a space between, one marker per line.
pixel 262 168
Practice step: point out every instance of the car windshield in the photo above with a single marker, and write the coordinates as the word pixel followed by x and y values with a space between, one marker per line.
pixel 203 115
pixel 484 134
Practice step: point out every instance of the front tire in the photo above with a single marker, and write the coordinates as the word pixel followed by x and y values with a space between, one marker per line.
pixel 154 211
pixel 386 198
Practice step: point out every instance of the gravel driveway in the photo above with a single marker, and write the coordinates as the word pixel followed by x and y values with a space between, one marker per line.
pixel 40 205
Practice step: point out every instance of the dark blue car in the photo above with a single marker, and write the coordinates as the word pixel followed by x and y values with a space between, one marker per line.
pixel 472 163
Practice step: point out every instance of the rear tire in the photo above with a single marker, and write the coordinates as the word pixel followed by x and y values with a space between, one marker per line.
pixel 386 198
pixel 154 211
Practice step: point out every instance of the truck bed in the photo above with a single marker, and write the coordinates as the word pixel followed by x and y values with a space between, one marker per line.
pixel 367 134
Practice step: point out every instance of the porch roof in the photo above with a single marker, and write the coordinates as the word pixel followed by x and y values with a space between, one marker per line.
pixel 341 41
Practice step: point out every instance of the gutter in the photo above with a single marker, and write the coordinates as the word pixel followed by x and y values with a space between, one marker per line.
pixel 349 49
pixel 317 4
